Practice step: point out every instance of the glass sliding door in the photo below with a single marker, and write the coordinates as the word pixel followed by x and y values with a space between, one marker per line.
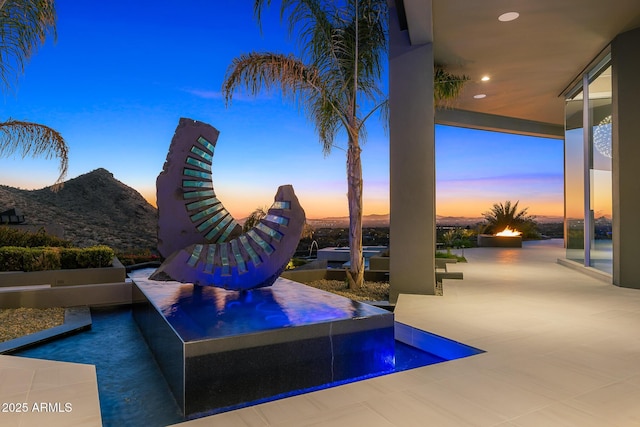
pixel 588 179
pixel 600 179
pixel 574 186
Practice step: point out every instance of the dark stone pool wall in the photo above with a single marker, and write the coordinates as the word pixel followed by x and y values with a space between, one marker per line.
pixel 220 348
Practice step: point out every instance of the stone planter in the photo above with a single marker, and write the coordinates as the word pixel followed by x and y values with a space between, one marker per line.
pixel 65 288
pixel 81 276
pixel 379 262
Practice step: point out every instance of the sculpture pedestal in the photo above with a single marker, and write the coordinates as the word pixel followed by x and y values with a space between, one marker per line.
pixel 220 349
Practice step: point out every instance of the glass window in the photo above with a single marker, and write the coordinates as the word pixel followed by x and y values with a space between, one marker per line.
pixel 574 179
pixel 588 178
pixel 600 198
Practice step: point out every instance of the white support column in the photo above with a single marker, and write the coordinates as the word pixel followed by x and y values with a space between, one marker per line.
pixel 626 158
pixel 412 161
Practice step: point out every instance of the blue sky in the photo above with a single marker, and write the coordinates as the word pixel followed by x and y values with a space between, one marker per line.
pixel 122 73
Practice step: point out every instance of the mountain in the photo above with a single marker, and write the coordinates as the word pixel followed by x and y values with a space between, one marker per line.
pixel 94 208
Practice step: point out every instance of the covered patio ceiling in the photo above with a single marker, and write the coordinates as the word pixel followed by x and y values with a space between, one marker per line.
pixel 530 61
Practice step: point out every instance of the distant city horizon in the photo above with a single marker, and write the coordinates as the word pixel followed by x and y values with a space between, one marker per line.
pixel 377 220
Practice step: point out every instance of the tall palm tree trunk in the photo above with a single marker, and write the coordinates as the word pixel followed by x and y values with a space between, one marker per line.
pixel 355 274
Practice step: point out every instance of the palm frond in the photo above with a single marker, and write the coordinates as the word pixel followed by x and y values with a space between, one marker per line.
pixel 383 108
pixel 34 140
pixel 325 32
pixel 313 21
pixel 298 82
pixel 24 26
pixel 256 71
pixel 327 122
pixel 446 86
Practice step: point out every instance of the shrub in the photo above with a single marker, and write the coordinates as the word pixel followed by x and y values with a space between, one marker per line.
pixel 11 258
pixel 450 256
pixel 10 236
pixel 39 259
pixel 137 257
pixel 69 257
pixel 95 256
pixel 50 259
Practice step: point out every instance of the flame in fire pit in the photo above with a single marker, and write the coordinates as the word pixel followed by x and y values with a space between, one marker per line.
pixel 508 232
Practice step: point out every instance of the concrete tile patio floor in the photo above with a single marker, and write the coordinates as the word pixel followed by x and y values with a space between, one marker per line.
pixel 46 393
pixel 562 349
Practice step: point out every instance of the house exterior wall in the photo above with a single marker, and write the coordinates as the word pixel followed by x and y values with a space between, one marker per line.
pixel 626 158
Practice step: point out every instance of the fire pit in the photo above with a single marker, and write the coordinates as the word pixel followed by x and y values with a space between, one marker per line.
pixel 507 238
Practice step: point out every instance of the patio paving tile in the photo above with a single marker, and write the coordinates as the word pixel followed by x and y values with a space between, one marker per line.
pixel 561 350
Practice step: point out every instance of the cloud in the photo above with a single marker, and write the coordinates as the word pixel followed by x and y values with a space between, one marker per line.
pixel 237 96
pixel 206 94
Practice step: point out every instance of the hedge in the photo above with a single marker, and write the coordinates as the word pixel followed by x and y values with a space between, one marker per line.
pixel 14 258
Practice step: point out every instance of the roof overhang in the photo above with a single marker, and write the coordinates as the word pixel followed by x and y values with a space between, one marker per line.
pixel 531 61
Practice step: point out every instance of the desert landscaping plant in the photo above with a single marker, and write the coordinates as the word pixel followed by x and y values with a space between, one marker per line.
pixel 457 238
pixel 14 258
pixel 507 215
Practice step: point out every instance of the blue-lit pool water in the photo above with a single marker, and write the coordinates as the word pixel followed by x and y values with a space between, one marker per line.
pixel 131 387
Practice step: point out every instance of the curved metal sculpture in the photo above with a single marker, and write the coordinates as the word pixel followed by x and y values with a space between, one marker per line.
pixel 199 238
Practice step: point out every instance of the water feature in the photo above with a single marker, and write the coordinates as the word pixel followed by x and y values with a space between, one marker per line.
pixel 311 248
pixel 134 389
pixel 131 386
pixel 219 348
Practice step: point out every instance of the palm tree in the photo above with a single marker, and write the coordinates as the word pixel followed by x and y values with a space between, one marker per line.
pixel 338 73
pixel 24 25
pixel 507 215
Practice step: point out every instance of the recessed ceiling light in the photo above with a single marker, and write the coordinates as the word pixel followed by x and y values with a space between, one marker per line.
pixel 485 78
pixel 479 96
pixel 509 16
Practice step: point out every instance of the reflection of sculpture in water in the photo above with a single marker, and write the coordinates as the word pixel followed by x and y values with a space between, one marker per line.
pixel 200 240
pixel 196 312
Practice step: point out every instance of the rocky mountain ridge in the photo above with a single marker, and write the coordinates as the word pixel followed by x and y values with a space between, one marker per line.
pixel 94 208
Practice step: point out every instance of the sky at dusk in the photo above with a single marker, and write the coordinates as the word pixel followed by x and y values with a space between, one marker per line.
pixel 122 73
